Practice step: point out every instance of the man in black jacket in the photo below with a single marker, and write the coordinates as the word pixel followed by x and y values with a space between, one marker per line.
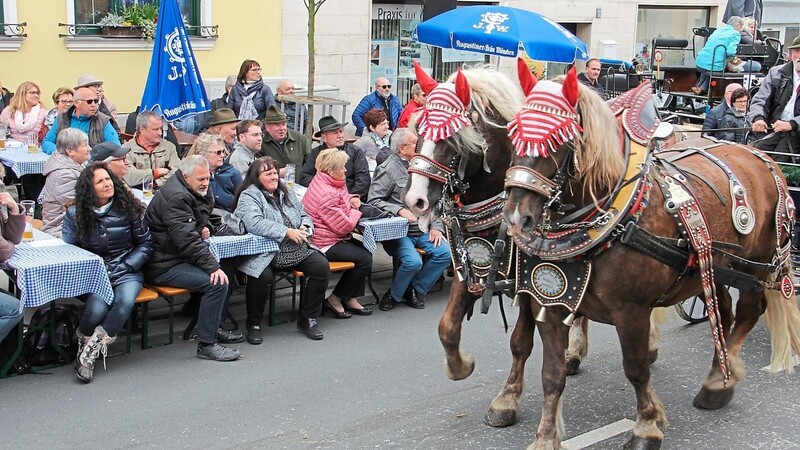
pixel 178 217
pixel 357 179
pixel 777 105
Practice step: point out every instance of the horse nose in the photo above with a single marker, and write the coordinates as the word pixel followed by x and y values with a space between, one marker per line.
pixel 517 214
pixel 421 204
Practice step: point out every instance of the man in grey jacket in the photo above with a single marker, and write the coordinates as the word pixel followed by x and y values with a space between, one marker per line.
pixel 386 193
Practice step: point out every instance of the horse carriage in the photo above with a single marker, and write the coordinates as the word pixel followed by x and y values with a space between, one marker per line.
pixel 672 72
pixel 555 196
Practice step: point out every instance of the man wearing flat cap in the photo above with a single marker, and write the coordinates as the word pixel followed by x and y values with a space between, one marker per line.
pixel 115 157
pixel 283 145
pixel 331 135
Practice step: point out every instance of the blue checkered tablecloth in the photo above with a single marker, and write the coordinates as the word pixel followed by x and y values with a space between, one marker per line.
pixel 248 244
pixel 22 162
pixel 378 230
pixel 47 272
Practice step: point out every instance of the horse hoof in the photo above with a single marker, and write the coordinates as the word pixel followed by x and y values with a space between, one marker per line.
pixel 500 418
pixel 708 399
pixel 573 366
pixel 653 356
pixel 637 443
pixel 462 371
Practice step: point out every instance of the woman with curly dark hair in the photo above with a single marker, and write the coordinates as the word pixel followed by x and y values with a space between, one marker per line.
pixel 107 220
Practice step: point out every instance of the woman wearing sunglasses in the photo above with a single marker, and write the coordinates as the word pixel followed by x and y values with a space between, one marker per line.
pixel 225 178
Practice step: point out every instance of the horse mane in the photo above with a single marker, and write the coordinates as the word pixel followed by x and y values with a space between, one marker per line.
pixel 597 150
pixel 493 96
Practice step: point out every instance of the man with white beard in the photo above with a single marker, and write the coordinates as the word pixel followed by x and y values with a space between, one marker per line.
pixel 380 98
pixel 178 217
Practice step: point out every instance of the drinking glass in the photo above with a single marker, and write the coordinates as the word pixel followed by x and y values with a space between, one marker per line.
pixel 147 187
pixel 32 139
pixel 289 175
pixel 3 132
pixel 29 206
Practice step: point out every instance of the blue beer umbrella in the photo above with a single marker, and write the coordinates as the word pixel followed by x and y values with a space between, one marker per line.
pixel 501 30
pixel 174 87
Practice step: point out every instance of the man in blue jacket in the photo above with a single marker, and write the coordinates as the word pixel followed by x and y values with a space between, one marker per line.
pixel 381 98
pixel 83 115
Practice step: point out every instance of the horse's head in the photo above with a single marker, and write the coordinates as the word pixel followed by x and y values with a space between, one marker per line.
pixel 567 147
pixel 463 140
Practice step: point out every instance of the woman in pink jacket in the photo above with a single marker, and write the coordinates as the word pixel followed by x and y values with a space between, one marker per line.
pixel 335 214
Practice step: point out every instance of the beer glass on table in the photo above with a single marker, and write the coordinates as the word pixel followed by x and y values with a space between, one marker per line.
pixel 147 187
pixel 3 132
pixel 30 206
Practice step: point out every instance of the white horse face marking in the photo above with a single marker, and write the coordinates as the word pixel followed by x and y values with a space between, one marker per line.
pixel 417 193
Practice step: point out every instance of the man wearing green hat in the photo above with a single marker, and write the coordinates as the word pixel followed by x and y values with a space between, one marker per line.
pixel 283 145
pixel 331 135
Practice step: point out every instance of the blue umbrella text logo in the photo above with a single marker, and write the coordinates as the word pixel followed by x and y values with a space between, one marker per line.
pixel 491 21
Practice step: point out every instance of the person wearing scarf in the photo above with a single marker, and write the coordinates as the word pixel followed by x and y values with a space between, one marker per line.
pixel 25 115
pixel 250 96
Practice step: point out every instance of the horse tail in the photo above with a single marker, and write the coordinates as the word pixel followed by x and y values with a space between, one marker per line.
pixel 783 322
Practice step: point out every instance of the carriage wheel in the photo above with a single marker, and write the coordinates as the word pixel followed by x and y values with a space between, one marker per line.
pixel 692 310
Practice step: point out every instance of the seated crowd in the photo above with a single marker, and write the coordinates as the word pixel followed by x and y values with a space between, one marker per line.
pixel 93 197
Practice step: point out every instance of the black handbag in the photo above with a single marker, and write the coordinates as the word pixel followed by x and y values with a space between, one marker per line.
pixel 373 212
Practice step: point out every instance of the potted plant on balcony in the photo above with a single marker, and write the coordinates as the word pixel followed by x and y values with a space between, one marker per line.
pixel 134 21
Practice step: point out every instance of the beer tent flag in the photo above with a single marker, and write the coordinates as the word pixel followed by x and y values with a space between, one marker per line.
pixel 174 87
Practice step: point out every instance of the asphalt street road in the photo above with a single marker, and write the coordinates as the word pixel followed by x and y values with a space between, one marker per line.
pixel 378 382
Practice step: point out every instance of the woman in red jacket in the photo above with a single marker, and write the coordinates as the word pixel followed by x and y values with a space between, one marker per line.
pixel 335 214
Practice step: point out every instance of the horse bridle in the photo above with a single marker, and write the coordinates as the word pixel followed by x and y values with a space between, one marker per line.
pixel 453 187
pixel 526 178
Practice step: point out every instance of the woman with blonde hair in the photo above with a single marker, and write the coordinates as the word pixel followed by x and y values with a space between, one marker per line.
pixel 25 115
pixel 327 202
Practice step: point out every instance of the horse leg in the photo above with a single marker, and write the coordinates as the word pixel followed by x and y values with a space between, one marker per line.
pixel 503 409
pixel 650 413
pixel 715 393
pixel 578 344
pixel 458 365
pixel 658 316
pixel 555 338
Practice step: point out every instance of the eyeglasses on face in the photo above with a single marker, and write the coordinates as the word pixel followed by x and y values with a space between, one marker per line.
pixel 34 93
pixel 218 152
pixel 385 86
pixel 121 158
pixel 91 101
pixel 255 69
pixel 65 102
pixel 741 101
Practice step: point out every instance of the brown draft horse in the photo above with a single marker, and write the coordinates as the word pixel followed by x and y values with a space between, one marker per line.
pixel 466 118
pixel 571 137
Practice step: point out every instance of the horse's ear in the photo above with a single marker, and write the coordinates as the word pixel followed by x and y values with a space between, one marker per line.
pixel 426 82
pixel 462 88
pixel 526 79
pixel 570 87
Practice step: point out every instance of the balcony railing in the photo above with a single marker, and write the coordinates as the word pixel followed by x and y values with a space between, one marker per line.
pixel 14 30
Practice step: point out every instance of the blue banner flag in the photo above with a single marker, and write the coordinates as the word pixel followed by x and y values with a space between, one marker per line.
pixel 174 87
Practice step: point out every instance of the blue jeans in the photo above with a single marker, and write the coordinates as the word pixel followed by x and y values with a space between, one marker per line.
pixel 111 317
pixel 10 313
pixel 191 277
pixel 411 271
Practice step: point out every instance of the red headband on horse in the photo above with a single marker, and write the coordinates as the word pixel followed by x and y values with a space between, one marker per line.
pixel 447 109
pixel 549 117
